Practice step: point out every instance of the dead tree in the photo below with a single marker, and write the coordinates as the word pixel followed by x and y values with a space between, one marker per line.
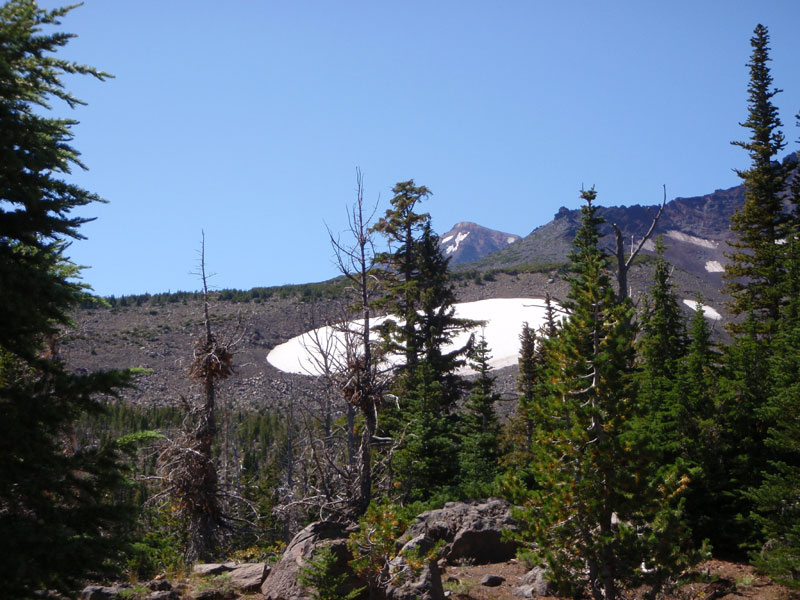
pixel 358 376
pixel 186 464
pixel 624 264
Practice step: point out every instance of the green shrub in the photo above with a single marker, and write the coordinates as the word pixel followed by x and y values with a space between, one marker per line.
pixel 319 575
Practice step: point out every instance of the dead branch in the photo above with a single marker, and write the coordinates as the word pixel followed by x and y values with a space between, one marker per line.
pixel 622 264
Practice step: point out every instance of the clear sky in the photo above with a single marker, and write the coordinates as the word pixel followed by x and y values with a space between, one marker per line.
pixel 247 119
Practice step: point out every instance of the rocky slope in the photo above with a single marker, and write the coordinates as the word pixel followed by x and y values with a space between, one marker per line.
pixel 467 242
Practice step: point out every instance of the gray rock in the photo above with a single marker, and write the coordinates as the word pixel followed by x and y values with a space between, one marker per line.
pixel 471 530
pixel 540 583
pixel 165 595
pixel 204 569
pixel 159 585
pixel 490 580
pixel 248 577
pixel 282 584
pixel 427 585
pixel 99 592
pixel 535 583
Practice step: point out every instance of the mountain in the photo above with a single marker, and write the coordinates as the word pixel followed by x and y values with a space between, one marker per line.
pixel 695 232
pixel 158 332
pixel 467 242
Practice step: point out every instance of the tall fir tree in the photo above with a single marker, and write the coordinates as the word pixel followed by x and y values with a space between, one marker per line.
pixel 480 429
pixel 420 298
pixel 698 382
pixel 595 513
pixel 661 349
pixel 776 500
pixel 62 508
pixel 755 279
pixel 754 274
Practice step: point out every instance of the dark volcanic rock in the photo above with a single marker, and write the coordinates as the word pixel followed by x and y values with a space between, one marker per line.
pixel 282 584
pixel 471 530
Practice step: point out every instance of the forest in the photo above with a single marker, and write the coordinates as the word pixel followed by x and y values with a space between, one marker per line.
pixel 640 445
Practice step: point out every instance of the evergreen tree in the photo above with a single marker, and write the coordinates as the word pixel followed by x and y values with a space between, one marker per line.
pixel 480 429
pixel 756 282
pixel 532 383
pixel 754 275
pixel 595 512
pixel 701 437
pixel 62 508
pixel 777 499
pixel 661 349
pixel 420 299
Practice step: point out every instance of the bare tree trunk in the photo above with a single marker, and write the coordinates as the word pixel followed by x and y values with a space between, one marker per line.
pixel 624 264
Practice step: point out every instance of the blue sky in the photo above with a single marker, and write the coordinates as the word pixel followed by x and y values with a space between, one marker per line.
pixel 247 119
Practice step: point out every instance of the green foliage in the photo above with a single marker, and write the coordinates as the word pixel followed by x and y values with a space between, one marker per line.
pixel 754 274
pixel 374 545
pixel 427 459
pixel 595 513
pixel 777 498
pixel 320 574
pixel 419 296
pixel 66 507
pixel 479 434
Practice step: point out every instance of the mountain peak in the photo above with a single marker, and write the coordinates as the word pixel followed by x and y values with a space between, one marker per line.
pixel 468 241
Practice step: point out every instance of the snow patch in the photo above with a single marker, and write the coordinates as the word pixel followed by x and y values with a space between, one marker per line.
pixel 307 354
pixel 714 266
pixel 447 239
pixel 510 240
pixel 690 239
pixel 459 238
pixel 708 312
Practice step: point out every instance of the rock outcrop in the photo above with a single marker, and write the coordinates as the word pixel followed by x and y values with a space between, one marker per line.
pixel 471 530
pixel 282 583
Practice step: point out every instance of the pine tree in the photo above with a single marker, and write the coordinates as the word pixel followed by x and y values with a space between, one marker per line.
pixel 595 513
pixel 420 299
pixel 63 511
pixel 701 449
pixel 661 349
pixel 756 282
pixel 754 274
pixel 776 500
pixel 480 429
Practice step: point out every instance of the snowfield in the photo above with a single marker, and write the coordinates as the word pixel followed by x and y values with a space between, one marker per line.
pixel 708 312
pixel 690 239
pixel 307 354
pixel 459 238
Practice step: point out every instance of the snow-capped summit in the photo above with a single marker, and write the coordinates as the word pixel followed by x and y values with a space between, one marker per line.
pixel 467 241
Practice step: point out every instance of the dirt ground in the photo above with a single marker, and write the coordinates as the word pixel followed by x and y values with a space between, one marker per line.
pixel 711 580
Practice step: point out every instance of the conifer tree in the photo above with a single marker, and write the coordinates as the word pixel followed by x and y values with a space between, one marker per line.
pixel 420 299
pixel 777 499
pixel 698 382
pixel 661 349
pixel 755 272
pixel 480 429
pixel 756 282
pixel 595 513
pixel 63 513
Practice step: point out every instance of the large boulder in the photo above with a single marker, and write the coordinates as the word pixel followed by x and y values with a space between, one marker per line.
pixel 282 584
pixel 535 583
pixel 426 584
pixel 248 577
pixel 471 530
